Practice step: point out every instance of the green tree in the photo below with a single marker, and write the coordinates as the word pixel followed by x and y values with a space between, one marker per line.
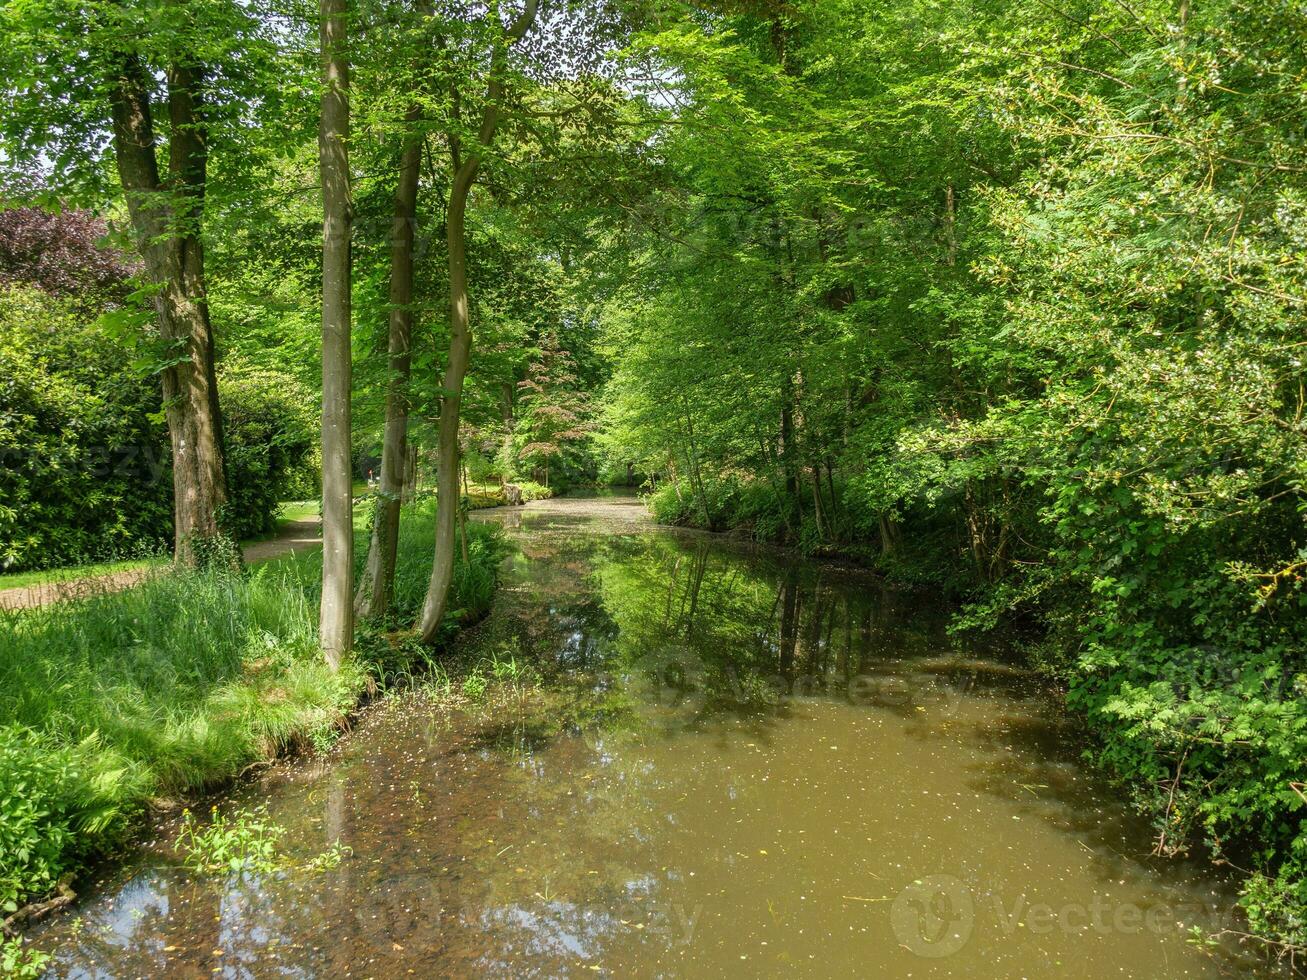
pixel 107 89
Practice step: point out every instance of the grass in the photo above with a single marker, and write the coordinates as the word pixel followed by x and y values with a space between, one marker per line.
pixel 298 510
pixel 119 701
pixel 479 496
pixel 21 580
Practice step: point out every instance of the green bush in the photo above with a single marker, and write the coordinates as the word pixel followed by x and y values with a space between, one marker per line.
pixel 730 502
pixel 533 491
pixel 18 962
pixel 86 471
pixel 678 503
pixel 270 431
pixel 53 798
pixel 666 505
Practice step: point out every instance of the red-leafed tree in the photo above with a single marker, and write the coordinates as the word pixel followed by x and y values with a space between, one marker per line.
pixel 554 415
pixel 62 253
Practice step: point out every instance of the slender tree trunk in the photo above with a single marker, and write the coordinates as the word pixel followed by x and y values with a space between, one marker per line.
pixel 462 511
pixel 951 225
pixel 830 482
pixel 696 584
pixel 460 346
pixel 166 220
pixel 789 628
pixel 506 447
pixel 336 624
pixel 411 474
pixel 788 448
pixel 816 502
pixel 460 340
pixel 377 585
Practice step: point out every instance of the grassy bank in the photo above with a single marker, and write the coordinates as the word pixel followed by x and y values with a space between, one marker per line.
pixel 117 702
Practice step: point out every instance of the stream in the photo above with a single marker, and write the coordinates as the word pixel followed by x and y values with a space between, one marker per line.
pixel 696 757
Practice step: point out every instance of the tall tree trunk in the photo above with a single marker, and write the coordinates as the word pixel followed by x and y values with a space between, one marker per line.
pixel 506 412
pixel 377 585
pixel 789 627
pixel 451 398
pixel 460 339
pixel 951 225
pixel 410 474
pixel 336 625
pixel 818 516
pixel 788 449
pixel 462 511
pixel 166 220
pixel 692 465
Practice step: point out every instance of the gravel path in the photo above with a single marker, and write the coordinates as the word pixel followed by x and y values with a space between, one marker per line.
pixel 294 536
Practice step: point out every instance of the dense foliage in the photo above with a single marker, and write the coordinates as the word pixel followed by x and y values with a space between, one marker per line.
pixel 63 253
pixel 85 472
pixel 270 423
pixel 1010 300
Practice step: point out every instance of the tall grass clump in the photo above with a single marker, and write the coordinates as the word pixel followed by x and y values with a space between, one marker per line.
pixel 115 700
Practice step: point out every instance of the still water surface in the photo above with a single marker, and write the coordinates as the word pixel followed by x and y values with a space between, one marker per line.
pixel 745 765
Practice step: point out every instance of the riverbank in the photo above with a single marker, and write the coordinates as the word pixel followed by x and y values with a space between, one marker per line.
pixel 61 585
pixel 117 703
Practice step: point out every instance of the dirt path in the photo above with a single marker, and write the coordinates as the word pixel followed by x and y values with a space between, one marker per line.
pixel 293 536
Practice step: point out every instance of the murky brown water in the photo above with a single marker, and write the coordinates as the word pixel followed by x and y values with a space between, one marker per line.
pixel 742 765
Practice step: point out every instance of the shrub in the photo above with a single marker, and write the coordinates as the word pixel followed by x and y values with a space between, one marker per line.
pixel 86 471
pixel 62 253
pixel 533 491
pixel 21 963
pixel 270 423
pixel 669 506
pixel 53 799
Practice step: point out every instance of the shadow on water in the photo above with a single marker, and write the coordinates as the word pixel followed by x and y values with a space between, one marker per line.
pixel 695 757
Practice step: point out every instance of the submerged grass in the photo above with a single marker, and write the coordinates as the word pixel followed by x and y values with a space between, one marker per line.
pixel 117 701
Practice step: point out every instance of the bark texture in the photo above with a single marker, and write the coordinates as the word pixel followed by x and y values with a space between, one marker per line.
pixel 166 216
pixel 336 620
pixel 377 585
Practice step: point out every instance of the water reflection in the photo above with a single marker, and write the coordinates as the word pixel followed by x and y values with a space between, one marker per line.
pixel 746 765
